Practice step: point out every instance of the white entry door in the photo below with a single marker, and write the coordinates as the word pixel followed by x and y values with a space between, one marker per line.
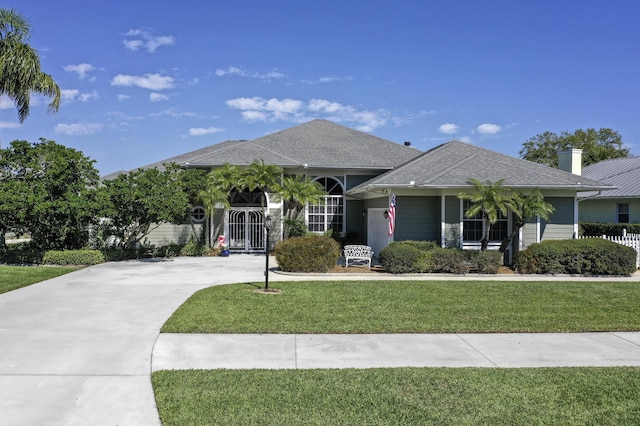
pixel 377 230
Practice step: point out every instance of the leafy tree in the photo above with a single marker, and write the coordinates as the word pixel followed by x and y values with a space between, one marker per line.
pixel 261 176
pixel 142 199
pixel 50 190
pixel 20 73
pixel 596 145
pixel 524 207
pixel 296 192
pixel 490 200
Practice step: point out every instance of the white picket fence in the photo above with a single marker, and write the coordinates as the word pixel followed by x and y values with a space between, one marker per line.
pixel 629 240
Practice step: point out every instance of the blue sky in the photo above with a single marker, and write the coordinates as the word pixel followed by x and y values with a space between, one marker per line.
pixel 146 80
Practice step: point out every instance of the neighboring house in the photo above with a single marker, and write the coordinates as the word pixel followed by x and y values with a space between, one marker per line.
pixel 619 205
pixel 360 172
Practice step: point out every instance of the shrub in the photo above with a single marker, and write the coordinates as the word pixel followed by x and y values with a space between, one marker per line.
pixel 22 254
pixel 73 257
pixel 598 229
pixel 296 228
pixel 592 256
pixel 448 260
pixel 484 262
pixel 400 257
pixel 193 248
pixel 307 254
pixel 169 250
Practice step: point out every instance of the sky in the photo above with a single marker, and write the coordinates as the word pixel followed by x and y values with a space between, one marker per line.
pixel 144 80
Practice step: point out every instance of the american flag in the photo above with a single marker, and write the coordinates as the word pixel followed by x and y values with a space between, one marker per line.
pixel 392 215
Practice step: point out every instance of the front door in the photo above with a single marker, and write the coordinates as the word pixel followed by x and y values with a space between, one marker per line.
pixel 245 229
pixel 377 230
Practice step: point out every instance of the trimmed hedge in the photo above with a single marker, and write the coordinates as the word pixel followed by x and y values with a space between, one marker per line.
pixel 598 229
pixel 307 254
pixel 402 257
pixel 73 257
pixel 21 254
pixel 591 256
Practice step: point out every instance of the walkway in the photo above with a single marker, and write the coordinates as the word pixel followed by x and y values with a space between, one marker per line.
pixel 79 349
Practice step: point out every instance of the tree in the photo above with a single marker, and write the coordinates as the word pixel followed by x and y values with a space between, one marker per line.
pixel 261 176
pixel 20 73
pixel 296 192
pixel 523 208
pixel 596 145
pixel 50 190
pixel 490 201
pixel 143 199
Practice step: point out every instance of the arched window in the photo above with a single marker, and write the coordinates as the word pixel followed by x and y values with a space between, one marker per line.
pixel 328 214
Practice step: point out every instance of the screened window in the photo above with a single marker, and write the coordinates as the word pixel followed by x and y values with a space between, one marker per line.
pixel 473 228
pixel 623 213
pixel 328 214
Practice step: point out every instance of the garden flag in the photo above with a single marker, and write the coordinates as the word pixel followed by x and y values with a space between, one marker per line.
pixel 392 215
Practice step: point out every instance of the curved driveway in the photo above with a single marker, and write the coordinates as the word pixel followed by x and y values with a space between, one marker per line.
pixel 76 349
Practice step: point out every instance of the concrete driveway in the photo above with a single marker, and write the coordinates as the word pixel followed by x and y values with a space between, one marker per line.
pixel 76 350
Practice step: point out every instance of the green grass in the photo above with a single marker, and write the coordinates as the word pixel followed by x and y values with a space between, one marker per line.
pixel 14 277
pixel 403 396
pixel 412 307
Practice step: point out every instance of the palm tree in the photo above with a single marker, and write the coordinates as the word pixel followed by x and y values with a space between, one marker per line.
pixel 491 201
pixel 217 191
pixel 525 207
pixel 20 73
pixel 296 192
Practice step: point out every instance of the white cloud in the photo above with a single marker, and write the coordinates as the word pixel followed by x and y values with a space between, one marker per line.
pixel 235 71
pixel 9 125
pixel 173 113
pixel 80 69
pixel 77 129
pixel 199 131
pixel 146 81
pixel 293 110
pixel 448 128
pixel 327 79
pixel 141 39
pixel 157 97
pixel 69 95
pixel 123 97
pixel 488 129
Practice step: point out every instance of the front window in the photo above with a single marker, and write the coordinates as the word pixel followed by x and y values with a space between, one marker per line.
pixel 329 213
pixel 623 213
pixel 473 228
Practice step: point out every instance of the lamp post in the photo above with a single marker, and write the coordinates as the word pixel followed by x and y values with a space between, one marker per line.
pixel 267 227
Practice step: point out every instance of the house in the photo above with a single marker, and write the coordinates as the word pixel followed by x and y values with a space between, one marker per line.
pixel 360 173
pixel 619 205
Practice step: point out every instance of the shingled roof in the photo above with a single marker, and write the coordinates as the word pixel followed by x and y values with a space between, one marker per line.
pixel 622 173
pixel 316 144
pixel 453 164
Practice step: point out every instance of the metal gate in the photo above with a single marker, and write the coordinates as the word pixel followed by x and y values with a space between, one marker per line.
pixel 245 229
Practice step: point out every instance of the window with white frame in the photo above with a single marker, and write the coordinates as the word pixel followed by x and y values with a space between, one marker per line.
pixel 329 213
pixel 623 213
pixel 473 228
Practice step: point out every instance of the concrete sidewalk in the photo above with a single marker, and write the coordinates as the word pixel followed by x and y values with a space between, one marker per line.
pixel 302 351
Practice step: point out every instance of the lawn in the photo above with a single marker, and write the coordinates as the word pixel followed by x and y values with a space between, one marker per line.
pixel 412 307
pixel 14 277
pixel 402 396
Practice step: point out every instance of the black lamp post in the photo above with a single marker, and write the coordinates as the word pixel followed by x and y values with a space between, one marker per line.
pixel 268 221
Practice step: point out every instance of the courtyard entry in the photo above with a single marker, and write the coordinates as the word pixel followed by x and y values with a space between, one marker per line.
pixel 245 229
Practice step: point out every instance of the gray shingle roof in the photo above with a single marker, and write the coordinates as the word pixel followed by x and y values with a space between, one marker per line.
pixel 452 164
pixel 318 143
pixel 623 173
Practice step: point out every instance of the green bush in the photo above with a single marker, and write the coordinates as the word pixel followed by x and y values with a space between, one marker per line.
pixel 484 262
pixel 73 257
pixel 193 248
pixel 401 257
pixel 592 256
pixel 449 261
pixel 307 254
pixel 598 229
pixel 21 254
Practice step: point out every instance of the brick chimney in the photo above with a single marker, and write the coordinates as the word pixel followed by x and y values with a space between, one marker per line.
pixel 570 160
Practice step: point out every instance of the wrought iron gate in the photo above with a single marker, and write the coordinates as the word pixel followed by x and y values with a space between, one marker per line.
pixel 245 229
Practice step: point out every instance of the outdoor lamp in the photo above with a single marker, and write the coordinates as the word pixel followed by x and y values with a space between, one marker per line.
pixel 386 214
pixel 268 221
